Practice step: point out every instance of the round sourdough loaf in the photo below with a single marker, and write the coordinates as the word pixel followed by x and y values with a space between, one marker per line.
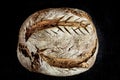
pixel 58 42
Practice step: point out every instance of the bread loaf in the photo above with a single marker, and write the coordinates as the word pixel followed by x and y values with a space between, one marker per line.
pixel 58 42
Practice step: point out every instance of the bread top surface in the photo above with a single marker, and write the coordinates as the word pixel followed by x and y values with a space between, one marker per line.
pixel 64 36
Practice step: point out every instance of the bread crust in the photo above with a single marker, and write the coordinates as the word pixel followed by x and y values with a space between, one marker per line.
pixel 58 42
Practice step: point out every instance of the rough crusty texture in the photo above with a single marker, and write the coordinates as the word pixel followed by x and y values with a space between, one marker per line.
pixel 58 42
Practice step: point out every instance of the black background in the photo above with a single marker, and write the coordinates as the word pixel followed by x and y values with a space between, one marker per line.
pixel 104 15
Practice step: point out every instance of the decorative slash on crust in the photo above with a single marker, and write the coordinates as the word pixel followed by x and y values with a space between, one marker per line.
pixel 44 24
pixel 69 63
pixel 74 31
